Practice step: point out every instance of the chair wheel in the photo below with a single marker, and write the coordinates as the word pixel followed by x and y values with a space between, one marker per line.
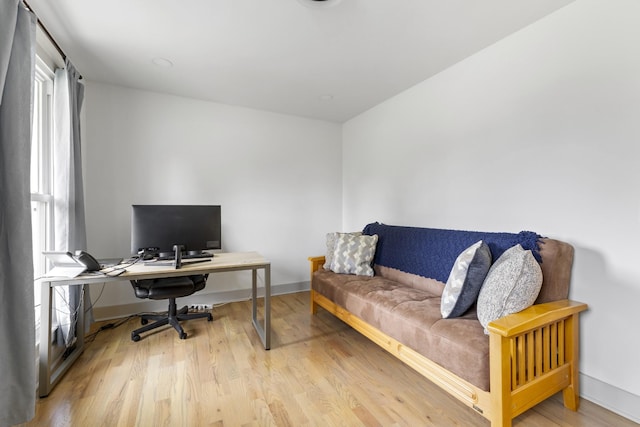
pixel 144 321
pixel 135 337
pixel 183 336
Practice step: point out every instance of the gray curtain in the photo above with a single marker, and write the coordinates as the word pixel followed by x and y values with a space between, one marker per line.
pixel 69 218
pixel 17 319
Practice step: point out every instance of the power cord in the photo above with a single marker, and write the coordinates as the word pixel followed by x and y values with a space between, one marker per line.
pixel 112 325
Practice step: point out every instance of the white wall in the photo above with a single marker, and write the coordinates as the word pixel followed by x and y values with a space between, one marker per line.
pixel 277 177
pixel 540 131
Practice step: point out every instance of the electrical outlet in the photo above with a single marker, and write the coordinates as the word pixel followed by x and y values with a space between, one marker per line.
pixel 200 307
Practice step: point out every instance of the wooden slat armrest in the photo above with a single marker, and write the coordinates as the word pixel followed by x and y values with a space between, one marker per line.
pixel 534 317
pixel 316 262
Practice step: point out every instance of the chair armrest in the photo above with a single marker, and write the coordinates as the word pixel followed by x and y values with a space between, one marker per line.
pixel 534 317
pixel 316 262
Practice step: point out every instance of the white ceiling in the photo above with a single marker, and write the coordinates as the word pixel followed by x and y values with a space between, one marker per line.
pixel 280 55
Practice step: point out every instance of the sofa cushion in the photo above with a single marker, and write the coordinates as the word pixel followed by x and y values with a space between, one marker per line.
pixel 331 246
pixel 354 254
pixel 466 278
pixel 512 284
pixel 412 316
pixel 412 280
pixel 557 259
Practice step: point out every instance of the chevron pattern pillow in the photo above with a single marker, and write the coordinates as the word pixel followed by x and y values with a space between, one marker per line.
pixel 354 254
pixel 331 247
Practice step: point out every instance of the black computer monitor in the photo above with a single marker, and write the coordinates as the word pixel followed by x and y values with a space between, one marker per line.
pixel 155 229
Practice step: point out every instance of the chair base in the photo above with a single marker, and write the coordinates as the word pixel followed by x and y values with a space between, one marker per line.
pixel 173 318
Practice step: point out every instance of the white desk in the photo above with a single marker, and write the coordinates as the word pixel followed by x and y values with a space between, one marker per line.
pixel 233 261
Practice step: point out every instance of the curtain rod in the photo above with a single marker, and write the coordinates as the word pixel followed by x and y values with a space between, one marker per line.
pixel 46 32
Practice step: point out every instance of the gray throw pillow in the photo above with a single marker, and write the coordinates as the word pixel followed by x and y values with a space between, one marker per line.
pixel 331 247
pixel 465 280
pixel 512 284
pixel 354 254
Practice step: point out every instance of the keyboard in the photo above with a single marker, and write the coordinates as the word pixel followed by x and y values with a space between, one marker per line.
pixel 187 256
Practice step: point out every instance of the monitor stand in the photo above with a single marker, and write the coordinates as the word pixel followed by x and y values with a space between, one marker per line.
pixel 177 250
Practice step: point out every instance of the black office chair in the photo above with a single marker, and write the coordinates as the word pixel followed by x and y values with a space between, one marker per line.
pixel 168 288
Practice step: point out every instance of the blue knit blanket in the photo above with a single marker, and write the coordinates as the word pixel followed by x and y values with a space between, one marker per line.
pixel 431 253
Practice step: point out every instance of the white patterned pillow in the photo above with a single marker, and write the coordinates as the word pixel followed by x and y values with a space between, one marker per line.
pixel 512 284
pixel 465 280
pixel 331 247
pixel 354 254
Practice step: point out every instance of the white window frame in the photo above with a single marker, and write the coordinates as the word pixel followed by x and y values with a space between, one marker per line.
pixel 41 175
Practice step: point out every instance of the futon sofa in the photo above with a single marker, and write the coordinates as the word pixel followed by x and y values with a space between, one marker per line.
pixel 485 316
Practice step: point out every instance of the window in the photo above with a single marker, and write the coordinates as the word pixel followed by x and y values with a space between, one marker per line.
pixel 41 174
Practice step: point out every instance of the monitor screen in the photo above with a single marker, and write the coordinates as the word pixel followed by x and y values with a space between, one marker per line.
pixel 196 228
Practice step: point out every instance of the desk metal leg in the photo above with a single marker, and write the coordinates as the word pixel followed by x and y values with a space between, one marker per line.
pixel 49 376
pixel 263 332
pixel 46 296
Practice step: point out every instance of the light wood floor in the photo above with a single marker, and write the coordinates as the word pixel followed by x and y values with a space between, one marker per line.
pixel 319 372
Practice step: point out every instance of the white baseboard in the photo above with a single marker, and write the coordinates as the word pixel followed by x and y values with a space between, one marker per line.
pixel 213 298
pixel 610 397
